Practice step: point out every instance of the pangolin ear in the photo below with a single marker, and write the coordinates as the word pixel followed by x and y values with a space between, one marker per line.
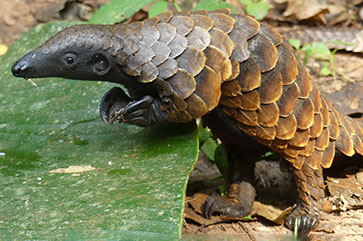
pixel 102 64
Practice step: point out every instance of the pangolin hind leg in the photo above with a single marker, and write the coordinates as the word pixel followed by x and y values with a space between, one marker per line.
pixel 241 194
pixel 242 152
pixel 310 188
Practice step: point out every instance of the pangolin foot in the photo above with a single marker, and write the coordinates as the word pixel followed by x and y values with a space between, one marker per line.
pixel 114 100
pixel 224 206
pixel 301 221
pixel 117 106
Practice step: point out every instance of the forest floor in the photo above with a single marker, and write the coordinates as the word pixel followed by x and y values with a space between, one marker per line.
pixel 343 219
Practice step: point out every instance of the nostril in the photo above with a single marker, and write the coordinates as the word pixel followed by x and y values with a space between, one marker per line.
pixel 18 68
pixel 15 69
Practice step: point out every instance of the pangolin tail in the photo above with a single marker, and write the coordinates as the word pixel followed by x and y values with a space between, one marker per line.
pixel 350 140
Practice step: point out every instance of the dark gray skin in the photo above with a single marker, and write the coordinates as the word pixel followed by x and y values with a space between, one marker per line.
pixel 79 63
pixel 72 63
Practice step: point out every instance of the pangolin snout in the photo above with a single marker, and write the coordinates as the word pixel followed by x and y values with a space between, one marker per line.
pixel 19 69
pixel 23 68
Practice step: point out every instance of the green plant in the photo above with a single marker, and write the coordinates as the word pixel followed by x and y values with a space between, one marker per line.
pixel 321 52
pixel 160 7
pixel 256 8
pixel 213 149
pixel 212 5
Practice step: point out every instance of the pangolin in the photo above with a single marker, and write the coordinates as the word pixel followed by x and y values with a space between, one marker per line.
pixel 240 76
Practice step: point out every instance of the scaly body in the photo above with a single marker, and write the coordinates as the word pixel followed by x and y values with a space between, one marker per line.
pixel 240 76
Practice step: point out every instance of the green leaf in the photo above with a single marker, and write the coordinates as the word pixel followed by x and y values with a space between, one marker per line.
pixel 209 148
pixel 338 42
pixel 306 47
pixel 325 70
pixel 308 52
pixel 136 190
pixel 210 5
pixel 118 10
pixel 157 8
pixel 258 9
pixel 296 43
pixel 246 2
pixel 220 158
pixel 320 51
pixel 203 133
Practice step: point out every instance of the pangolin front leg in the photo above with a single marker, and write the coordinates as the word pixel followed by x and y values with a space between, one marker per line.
pixel 117 106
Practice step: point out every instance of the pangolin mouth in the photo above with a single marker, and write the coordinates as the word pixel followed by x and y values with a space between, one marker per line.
pixel 112 102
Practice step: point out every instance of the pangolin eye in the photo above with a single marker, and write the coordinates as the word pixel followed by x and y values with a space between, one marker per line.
pixel 69 60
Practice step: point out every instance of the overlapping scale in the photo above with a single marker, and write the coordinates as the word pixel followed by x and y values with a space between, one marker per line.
pixel 219 62
pixel 300 138
pixel 328 156
pixel 287 102
pixel 271 34
pixel 248 25
pixel 192 60
pixel 304 112
pixel 303 81
pixel 167 32
pixel 161 53
pixel 287 64
pixel 212 94
pixel 196 106
pixel 222 41
pixel 266 133
pixel 177 46
pixel 202 21
pixel 183 83
pixel 199 38
pixel 249 77
pixel 183 24
pixel 222 21
pixel 286 127
pixel 263 52
pixel 317 127
pixel 268 115
pixel 168 68
pixel 271 87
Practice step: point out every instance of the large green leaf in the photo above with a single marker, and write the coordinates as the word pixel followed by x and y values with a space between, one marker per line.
pixel 135 192
pixel 118 10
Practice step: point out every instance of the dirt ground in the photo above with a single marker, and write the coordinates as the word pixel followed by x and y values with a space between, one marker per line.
pixel 344 221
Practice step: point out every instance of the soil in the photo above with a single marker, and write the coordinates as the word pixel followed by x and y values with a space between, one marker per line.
pixel 344 217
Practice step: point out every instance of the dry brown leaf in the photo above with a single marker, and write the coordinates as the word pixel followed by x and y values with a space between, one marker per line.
pixel 304 9
pixel 270 212
pixel 348 100
pixel 347 191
